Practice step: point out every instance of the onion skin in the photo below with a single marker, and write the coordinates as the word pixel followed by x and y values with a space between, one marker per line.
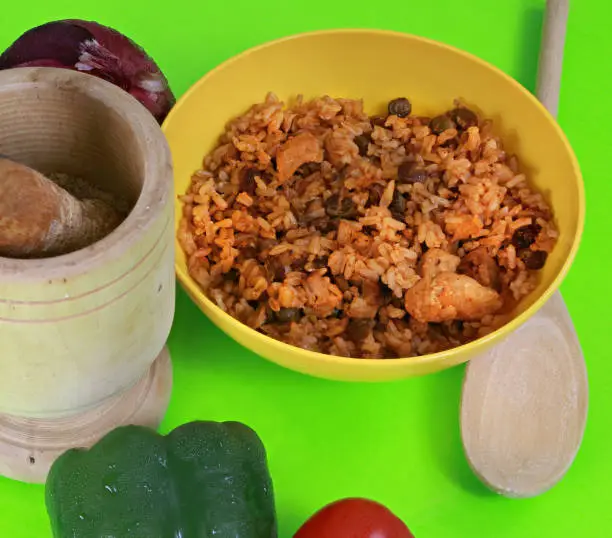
pixel 96 49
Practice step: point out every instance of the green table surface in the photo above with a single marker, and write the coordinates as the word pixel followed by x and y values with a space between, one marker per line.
pixel 398 443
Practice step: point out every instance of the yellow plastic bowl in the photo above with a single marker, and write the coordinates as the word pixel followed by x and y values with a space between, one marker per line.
pixel 378 66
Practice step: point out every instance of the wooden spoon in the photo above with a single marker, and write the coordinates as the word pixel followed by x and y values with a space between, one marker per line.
pixel 524 404
pixel 38 218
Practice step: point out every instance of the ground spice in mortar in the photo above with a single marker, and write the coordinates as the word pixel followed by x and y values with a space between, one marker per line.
pixel 85 190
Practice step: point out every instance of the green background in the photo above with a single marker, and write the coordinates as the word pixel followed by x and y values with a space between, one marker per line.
pixel 397 442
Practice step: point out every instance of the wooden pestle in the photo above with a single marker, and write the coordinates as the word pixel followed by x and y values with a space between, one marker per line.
pixel 40 219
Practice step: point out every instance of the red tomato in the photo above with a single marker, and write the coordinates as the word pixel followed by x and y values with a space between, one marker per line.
pixel 354 518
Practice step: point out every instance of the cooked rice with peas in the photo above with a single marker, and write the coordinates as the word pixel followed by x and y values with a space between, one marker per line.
pixel 372 237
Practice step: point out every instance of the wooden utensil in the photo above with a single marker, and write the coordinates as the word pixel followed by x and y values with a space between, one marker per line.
pixel 29 446
pixel 40 219
pixel 83 335
pixel 524 404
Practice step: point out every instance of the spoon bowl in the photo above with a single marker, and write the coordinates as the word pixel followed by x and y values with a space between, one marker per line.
pixel 524 405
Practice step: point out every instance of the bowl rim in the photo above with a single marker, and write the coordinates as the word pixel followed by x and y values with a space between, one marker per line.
pixel 474 347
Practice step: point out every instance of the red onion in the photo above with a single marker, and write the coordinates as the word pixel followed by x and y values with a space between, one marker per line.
pixel 98 50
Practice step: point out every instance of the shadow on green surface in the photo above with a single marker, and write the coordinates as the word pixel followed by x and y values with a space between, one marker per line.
pixel 222 354
pixel 445 436
pixel 225 359
pixel 526 71
pixel 443 405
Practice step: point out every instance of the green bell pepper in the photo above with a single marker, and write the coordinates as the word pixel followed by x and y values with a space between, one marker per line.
pixel 204 479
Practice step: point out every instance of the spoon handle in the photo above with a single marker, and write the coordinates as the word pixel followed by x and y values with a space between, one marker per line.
pixel 551 54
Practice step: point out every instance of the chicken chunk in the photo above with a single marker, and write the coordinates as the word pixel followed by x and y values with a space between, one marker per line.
pixel 302 148
pixel 481 266
pixel 322 296
pixel 449 296
pixel 436 261
pixel 340 147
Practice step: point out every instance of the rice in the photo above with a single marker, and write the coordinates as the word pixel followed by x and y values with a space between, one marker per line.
pixel 367 237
